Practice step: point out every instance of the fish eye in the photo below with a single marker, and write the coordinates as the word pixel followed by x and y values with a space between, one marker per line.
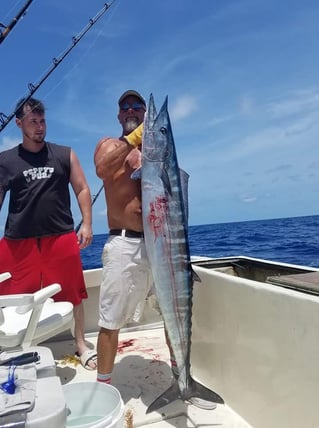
pixel 163 130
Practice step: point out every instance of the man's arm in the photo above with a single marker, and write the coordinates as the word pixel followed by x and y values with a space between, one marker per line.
pixel 109 156
pixel 83 195
pixel 110 153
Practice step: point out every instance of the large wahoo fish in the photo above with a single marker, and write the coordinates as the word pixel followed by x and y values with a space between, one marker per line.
pixel 165 229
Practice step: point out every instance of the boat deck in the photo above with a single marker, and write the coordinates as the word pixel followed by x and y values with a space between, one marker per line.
pixel 142 372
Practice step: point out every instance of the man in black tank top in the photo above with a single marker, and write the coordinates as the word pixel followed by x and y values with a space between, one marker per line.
pixel 40 246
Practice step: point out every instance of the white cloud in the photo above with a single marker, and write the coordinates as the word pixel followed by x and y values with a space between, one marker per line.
pixel 103 213
pixel 218 120
pixel 300 101
pixel 248 199
pixel 280 134
pixel 246 105
pixel 183 107
pixel 8 143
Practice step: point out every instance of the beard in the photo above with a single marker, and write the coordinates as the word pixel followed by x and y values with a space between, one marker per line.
pixel 35 138
pixel 130 125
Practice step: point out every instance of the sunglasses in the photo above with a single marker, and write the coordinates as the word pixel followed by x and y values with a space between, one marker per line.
pixel 135 106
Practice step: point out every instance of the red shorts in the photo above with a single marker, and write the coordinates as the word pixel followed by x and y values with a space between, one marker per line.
pixel 37 262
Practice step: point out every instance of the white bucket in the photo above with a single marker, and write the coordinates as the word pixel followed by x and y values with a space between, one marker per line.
pixel 93 405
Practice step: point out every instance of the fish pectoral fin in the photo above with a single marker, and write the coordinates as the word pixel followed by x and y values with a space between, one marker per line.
pixel 166 182
pixel 136 174
pixel 170 395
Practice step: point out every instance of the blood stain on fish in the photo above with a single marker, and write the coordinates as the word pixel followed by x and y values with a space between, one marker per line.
pixel 157 215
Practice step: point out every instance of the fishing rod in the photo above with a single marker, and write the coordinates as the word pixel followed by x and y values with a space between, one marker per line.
pixel 7 29
pixel 4 119
pixel 93 200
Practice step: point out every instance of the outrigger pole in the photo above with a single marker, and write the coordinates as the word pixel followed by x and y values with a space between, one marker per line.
pixel 6 31
pixel 93 200
pixel 4 120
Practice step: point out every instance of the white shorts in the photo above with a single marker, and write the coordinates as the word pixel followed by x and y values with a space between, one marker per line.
pixel 126 281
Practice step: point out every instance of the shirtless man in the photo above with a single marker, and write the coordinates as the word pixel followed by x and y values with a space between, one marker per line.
pixel 126 275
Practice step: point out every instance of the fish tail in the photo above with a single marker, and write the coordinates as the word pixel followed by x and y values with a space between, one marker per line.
pixel 194 389
pixel 171 394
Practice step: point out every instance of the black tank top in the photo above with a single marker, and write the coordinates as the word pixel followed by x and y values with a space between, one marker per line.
pixel 39 202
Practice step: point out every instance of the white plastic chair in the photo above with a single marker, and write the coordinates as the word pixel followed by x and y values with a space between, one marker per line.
pixel 29 319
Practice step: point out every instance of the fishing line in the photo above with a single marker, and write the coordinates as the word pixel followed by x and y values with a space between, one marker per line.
pixel 93 200
pixel 4 33
pixel 13 6
pixel 77 64
pixel 4 119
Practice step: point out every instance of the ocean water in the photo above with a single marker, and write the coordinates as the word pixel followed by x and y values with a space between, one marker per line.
pixel 291 240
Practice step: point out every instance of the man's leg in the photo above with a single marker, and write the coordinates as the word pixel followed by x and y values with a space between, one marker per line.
pixel 106 348
pixel 21 259
pixel 61 263
pixel 81 346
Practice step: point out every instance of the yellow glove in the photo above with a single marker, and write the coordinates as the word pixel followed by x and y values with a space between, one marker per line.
pixel 135 137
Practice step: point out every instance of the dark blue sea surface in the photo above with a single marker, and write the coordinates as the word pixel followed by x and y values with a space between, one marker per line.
pixel 291 240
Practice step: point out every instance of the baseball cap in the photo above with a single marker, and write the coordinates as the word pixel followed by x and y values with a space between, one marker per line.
pixel 134 93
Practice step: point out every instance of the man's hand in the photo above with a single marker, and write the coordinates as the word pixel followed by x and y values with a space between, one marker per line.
pixel 85 236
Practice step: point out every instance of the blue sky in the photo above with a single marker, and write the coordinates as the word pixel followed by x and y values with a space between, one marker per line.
pixel 242 83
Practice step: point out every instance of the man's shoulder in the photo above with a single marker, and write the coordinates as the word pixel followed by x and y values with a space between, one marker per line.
pixel 59 152
pixel 105 141
pixel 57 146
pixel 58 149
pixel 8 152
